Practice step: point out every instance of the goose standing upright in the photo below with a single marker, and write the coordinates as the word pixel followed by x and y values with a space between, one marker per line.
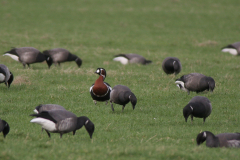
pixel 195 82
pixel 198 106
pixel 62 121
pixel 233 49
pixel 131 58
pixel 4 127
pixel 5 75
pixel 171 65
pixel 220 140
pixel 60 55
pixel 100 90
pixel 28 55
pixel 122 95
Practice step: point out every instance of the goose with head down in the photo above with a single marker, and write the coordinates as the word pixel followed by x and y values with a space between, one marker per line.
pixel 220 140
pixel 5 75
pixel 195 82
pixel 60 55
pixel 122 95
pixel 28 55
pixel 62 121
pixel 131 58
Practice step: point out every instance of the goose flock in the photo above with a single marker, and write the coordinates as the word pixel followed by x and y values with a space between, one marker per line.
pixel 54 118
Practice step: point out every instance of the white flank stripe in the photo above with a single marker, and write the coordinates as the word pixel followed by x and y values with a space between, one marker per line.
pixel 46 124
pixel 230 50
pixel 16 58
pixel 123 60
pixel 2 77
pixel 35 111
pixel 90 89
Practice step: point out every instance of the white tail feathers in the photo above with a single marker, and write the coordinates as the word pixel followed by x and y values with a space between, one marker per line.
pixel 123 60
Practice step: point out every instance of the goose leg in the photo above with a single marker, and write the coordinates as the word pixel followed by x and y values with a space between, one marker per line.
pixel 61 135
pixel 106 102
pixel 204 120
pixel 59 64
pixel 74 132
pixel 48 134
pixel 95 102
pixel 123 108
pixel 191 119
pixel 28 65
pixel 112 106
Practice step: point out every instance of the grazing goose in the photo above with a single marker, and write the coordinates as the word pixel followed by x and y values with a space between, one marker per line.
pixel 100 90
pixel 233 49
pixel 122 95
pixel 4 127
pixel 5 75
pixel 171 65
pixel 198 106
pixel 48 107
pixel 220 140
pixel 60 55
pixel 62 121
pixel 28 55
pixel 131 58
pixel 195 82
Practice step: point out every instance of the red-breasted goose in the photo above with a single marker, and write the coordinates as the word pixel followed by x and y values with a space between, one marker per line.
pixel 28 55
pixel 220 140
pixel 198 106
pixel 131 58
pixel 5 75
pixel 4 128
pixel 233 49
pixel 100 90
pixel 195 82
pixel 171 65
pixel 62 121
pixel 121 94
pixel 60 55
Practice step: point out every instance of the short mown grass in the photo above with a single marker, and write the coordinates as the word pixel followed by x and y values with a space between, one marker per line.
pixel 193 31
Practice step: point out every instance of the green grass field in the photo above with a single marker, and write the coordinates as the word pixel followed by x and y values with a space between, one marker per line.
pixel 96 30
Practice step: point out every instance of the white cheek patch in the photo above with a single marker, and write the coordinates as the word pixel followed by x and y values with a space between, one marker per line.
pixel 230 50
pixel 123 60
pixel 191 108
pixel 16 58
pixel 86 122
pixel 98 71
pixel 204 134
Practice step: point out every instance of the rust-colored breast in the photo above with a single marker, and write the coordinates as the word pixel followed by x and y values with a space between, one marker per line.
pixel 99 87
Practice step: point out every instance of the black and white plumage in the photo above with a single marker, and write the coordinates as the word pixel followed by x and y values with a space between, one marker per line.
pixel 171 65
pixel 233 49
pixel 5 75
pixel 4 127
pixel 198 106
pixel 62 121
pixel 100 90
pixel 60 55
pixel 195 82
pixel 122 95
pixel 220 140
pixel 28 55
pixel 48 107
pixel 131 58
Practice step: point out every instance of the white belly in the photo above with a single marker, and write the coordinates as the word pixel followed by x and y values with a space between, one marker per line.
pixel 230 50
pixel 123 60
pixel 2 77
pixel 46 124
pixel 16 58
